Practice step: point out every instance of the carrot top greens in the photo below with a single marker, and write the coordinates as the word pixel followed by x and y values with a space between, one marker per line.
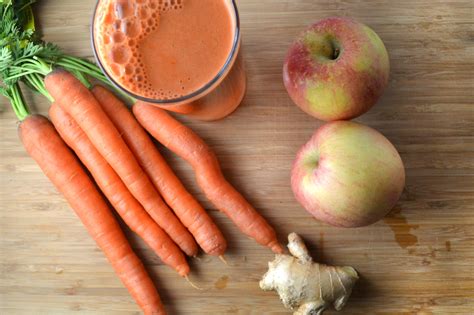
pixel 25 58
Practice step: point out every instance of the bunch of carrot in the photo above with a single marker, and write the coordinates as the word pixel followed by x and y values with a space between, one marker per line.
pixel 131 173
pixel 89 128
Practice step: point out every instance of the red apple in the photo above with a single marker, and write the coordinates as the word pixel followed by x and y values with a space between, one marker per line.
pixel 337 69
pixel 348 175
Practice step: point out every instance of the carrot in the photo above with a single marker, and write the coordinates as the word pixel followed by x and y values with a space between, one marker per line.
pixel 78 101
pixel 186 207
pixel 45 146
pixel 188 145
pixel 116 192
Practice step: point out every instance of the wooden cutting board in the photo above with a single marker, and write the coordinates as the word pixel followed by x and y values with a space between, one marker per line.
pixel 419 260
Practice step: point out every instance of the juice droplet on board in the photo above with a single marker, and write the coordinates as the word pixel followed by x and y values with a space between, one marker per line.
pixel 402 230
pixel 221 283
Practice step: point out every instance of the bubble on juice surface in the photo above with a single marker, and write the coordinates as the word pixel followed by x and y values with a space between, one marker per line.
pixel 123 9
pixel 117 25
pixel 118 37
pixel 128 70
pixel 120 25
pixel 120 55
pixel 143 13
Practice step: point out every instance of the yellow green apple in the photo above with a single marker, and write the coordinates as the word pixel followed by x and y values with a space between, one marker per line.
pixel 348 175
pixel 336 69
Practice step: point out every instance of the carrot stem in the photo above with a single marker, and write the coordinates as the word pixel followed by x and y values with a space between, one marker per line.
pixel 37 84
pixel 17 102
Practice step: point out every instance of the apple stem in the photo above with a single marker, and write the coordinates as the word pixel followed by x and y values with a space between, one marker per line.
pixel 336 53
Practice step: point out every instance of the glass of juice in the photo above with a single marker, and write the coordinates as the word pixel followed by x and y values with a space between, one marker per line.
pixel 180 55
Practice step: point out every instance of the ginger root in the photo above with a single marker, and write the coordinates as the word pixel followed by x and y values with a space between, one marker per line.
pixel 304 286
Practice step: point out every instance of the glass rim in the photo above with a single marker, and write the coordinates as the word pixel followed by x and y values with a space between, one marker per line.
pixel 171 101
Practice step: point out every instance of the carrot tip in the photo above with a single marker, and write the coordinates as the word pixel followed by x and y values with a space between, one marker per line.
pixel 192 284
pixel 222 258
pixel 276 248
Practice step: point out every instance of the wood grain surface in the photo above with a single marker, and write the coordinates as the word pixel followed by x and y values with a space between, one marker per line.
pixel 419 260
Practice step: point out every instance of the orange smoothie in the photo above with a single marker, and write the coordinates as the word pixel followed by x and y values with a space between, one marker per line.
pixel 164 49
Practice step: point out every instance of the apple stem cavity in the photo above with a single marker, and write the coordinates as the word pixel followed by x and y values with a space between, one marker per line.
pixel 323 47
pixel 336 53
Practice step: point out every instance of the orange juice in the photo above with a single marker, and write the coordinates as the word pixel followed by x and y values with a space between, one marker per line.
pixel 177 54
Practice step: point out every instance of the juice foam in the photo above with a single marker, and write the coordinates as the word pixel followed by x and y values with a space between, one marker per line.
pixel 163 49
